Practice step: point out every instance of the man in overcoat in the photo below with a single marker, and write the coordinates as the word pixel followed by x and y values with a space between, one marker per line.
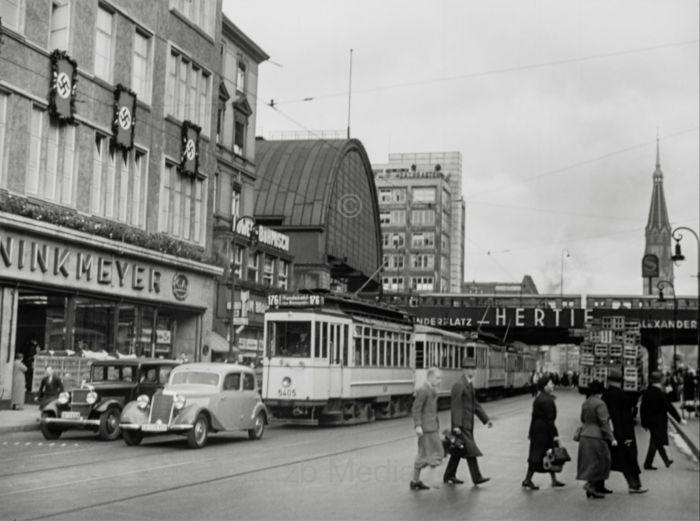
pixel 654 411
pixel 624 456
pixel 463 407
pixel 50 387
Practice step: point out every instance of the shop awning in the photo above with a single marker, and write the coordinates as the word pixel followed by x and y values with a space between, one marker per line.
pixel 217 343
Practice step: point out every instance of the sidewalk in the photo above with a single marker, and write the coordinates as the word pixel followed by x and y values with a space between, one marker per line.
pixel 690 433
pixel 15 421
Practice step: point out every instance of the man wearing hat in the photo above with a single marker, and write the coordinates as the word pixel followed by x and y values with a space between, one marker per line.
pixel 624 455
pixel 654 411
pixel 463 406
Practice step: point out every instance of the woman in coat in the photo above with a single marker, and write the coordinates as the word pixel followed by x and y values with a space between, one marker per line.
pixel 19 383
pixel 543 433
pixel 593 452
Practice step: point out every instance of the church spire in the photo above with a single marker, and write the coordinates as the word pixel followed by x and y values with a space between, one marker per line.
pixel 658 214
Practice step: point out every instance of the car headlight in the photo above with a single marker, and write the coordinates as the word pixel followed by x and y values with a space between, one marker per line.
pixel 142 401
pixel 63 398
pixel 91 397
pixel 179 401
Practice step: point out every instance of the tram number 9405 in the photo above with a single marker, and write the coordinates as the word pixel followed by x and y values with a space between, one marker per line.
pixel 286 393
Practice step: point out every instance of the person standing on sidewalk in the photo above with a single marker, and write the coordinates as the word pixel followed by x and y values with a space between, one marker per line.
pixel 427 426
pixel 51 386
pixel 543 433
pixel 19 384
pixel 463 407
pixel 654 411
pixel 624 456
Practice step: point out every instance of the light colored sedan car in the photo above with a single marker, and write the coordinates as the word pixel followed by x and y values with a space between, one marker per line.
pixel 197 400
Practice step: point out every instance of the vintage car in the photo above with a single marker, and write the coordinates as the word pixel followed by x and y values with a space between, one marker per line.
pixel 199 399
pixel 97 404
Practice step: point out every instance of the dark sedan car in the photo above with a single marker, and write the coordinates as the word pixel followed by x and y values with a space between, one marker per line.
pixel 97 404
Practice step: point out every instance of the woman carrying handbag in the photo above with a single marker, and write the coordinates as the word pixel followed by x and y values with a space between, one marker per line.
pixel 543 433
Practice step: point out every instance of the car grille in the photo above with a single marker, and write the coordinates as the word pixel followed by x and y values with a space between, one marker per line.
pixel 160 410
pixel 78 402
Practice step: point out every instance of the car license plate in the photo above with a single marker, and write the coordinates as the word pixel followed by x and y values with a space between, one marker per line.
pixel 154 427
pixel 70 415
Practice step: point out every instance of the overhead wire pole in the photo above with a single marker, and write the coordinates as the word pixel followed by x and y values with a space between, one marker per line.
pixel 349 93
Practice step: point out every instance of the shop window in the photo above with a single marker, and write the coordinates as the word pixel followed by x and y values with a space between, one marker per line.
pixel 94 325
pixel 164 336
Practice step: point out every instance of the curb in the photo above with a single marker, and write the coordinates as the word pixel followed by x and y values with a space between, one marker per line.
pixel 20 428
pixel 691 443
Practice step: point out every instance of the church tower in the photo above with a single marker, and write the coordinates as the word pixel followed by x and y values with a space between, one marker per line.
pixel 658 234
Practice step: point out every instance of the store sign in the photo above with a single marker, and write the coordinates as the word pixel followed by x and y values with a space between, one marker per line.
pixel 83 268
pixel 124 118
pixel 411 175
pixel 273 238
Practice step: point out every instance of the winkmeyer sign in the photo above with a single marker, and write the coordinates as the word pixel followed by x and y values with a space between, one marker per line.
pixel 47 261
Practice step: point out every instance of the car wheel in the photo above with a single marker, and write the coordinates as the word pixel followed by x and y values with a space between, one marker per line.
pixel 109 429
pixel 50 432
pixel 131 438
pixel 197 436
pixel 258 427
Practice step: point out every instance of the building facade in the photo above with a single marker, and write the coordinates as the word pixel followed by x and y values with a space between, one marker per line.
pixel 106 181
pixel 451 255
pixel 656 263
pixel 256 259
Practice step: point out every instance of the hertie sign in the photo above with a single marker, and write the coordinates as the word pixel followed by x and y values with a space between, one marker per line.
pixel 63 83
pixel 124 117
pixel 189 161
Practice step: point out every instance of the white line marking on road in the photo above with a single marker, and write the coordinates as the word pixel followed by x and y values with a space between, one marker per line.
pixel 28 443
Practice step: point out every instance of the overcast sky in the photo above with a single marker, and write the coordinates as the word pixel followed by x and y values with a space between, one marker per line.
pixel 554 104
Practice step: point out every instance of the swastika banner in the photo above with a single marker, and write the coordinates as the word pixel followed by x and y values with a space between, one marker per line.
pixel 63 84
pixel 124 117
pixel 189 160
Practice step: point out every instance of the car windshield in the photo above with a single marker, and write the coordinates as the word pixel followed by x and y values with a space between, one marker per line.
pixel 112 373
pixel 195 377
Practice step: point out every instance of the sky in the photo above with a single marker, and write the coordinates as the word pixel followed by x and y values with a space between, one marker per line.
pixel 555 105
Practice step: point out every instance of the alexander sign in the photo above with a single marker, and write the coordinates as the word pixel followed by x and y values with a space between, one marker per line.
pixel 50 262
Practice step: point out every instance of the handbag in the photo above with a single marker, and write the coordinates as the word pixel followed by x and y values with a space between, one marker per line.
pixel 577 433
pixel 555 458
pixel 452 444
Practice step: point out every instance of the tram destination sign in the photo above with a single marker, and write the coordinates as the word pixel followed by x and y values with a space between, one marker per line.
pixel 296 301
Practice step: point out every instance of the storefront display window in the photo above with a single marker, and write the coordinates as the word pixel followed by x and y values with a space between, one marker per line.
pixel 94 325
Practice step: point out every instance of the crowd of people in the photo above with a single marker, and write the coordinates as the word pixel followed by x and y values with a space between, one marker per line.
pixel 606 435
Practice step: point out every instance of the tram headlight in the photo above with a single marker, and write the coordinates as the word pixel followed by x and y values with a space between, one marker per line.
pixel 142 401
pixel 63 398
pixel 91 397
pixel 179 401
pixel 286 381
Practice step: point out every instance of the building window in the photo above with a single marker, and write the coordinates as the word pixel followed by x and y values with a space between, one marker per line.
pixel 52 159
pixel 424 217
pixel 393 217
pixel 3 127
pixel 199 12
pixel 422 262
pixel 393 283
pixel 182 205
pixel 241 76
pixel 423 240
pixel 385 195
pixel 253 263
pixel 118 185
pixel 422 283
pixel 11 14
pixel 268 270
pixel 60 22
pixel 282 274
pixel 235 204
pixel 104 37
pixel 423 194
pixel 239 133
pixel 399 195
pixel 238 260
pixel 141 67
pixel 187 91
pixel 393 240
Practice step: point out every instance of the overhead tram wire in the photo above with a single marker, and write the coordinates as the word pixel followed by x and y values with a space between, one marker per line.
pixel 505 70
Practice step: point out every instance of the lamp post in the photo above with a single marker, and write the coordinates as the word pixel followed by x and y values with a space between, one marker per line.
pixel 678 256
pixel 661 285
pixel 561 286
pixel 247 227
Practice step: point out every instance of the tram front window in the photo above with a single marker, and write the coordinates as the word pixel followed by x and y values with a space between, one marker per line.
pixel 289 339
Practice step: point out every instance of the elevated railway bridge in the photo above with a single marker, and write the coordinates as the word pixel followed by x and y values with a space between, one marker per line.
pixel 547 319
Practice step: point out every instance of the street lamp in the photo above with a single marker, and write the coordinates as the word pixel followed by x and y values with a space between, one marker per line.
pixel 678 256
pixel 246 227
pixel 661 285
pixel 561 286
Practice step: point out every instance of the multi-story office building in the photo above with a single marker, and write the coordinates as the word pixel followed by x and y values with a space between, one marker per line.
pixel 405 170
pixel 107 155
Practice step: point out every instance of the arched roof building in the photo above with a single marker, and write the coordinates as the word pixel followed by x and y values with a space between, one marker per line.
pixel 322 194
